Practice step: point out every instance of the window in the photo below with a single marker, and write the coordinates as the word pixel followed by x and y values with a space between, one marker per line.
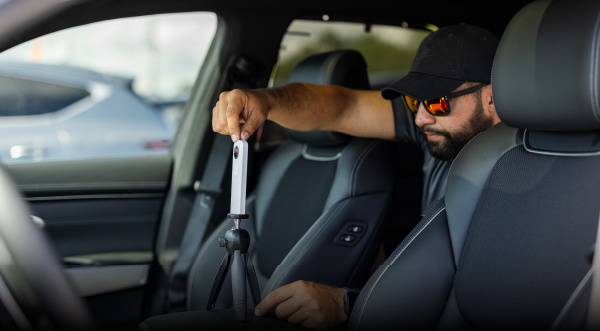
pixel 388 50
pixel 23 97
pixel 113 88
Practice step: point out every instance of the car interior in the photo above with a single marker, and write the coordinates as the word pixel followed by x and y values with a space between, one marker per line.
pixel 131 242
pixel 335 178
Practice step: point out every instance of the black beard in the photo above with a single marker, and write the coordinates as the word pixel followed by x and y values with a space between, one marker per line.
pixel 450 147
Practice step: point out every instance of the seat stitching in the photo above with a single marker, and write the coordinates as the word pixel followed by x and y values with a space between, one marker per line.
pixel 430 207
pixel 357 165
pixel 572 298
pixel 394 260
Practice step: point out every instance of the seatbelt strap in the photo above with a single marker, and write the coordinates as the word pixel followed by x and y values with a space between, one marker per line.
pixel 593 314
pixel 207 190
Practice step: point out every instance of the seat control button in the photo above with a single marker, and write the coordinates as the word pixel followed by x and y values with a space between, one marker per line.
pixel 351 233
pixel 348 238
pixel 355 229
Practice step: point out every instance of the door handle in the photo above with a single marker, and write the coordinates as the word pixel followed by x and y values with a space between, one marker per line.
pixel 38 221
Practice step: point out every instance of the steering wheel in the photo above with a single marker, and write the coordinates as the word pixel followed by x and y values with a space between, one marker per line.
pixel 35 293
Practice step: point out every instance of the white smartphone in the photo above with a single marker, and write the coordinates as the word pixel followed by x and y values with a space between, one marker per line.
pixel 239 172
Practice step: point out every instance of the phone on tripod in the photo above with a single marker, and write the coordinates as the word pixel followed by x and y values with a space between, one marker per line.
pixel 239 176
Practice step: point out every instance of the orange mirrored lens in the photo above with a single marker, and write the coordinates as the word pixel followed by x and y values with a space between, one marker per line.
pixel 413 104
pixel 437 107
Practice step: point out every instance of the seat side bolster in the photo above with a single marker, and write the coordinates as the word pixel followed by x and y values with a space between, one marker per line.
pixel 468 175
pixel 412 287
pixel 366 155
pixel 317 256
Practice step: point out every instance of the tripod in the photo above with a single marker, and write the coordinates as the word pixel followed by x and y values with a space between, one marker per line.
pixel 236 241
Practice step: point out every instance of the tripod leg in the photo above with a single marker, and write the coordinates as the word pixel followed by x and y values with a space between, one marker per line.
pixel 218 283
pixel 238 284
pixel 252 280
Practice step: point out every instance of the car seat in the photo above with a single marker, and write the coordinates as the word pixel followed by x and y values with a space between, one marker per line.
pixel 509 245
pixel 317 209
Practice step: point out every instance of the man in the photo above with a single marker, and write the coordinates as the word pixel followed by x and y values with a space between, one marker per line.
pixel 447 95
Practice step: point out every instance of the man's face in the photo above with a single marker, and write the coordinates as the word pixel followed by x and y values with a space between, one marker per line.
pixel 447 135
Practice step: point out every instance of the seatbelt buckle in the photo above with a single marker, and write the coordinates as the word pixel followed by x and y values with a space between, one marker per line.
pixel 206 194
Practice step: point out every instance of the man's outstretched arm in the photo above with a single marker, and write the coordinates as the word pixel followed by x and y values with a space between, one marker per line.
pixel 304 107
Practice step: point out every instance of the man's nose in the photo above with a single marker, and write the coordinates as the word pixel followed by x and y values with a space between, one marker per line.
pixel 423 116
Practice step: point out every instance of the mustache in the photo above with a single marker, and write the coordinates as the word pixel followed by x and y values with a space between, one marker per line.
pixel 427 129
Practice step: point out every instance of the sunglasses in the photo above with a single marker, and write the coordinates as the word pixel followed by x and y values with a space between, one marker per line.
pixel 441 106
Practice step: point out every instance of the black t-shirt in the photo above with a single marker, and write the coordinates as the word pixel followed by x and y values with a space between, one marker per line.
pixel 435 171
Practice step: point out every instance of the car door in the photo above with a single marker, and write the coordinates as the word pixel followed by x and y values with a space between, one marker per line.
pixel 99 188
pixel 102 216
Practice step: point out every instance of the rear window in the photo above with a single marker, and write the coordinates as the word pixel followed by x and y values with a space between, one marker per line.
pixel 388 50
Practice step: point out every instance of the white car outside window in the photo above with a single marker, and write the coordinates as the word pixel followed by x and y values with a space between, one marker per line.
pixel 113 88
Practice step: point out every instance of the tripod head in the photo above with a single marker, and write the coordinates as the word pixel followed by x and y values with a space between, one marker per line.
pixel 235 239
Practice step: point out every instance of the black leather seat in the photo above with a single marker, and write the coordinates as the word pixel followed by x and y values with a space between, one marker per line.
pixel 312 190
pixel 317 211
pixel 508 247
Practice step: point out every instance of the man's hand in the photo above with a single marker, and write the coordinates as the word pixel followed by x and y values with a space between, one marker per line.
pixel 312 305
pixel 239 113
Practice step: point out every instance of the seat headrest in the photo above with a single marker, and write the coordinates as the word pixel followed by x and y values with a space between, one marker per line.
pixel 341 67
pixel 546 73
pixel 344 67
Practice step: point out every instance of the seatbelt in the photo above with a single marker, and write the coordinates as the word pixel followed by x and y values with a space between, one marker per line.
pixel 207 190
pixel 593 314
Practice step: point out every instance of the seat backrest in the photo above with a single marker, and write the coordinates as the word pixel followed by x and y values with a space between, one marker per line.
pixel 317 209
pixel 509 245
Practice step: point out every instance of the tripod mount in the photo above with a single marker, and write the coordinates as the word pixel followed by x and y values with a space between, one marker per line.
pixel 236 241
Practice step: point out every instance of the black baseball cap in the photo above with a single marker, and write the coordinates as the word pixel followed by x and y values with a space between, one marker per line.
pixel 446 59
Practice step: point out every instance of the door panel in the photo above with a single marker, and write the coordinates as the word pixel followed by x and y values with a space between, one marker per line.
pixel 135 174
pixel 102 216
pixel 81 225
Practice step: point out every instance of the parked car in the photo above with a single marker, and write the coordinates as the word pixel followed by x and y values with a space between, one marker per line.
pixel 109 232
pixel 57 112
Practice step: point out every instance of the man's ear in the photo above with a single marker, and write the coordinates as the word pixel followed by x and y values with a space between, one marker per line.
pixel 488 103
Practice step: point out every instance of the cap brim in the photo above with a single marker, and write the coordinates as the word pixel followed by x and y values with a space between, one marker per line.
pixel 421 87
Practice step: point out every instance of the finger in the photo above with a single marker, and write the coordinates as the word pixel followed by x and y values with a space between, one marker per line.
pixel 288 308
pixel 253 122
pixel 235 106
pixel 218 120
pixel 272 300
pixel 313 316
pixel 297 316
